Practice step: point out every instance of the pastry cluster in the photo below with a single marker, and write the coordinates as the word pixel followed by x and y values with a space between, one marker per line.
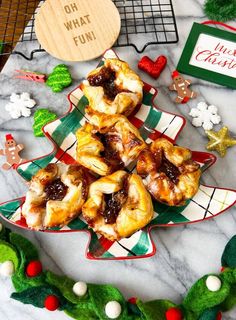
pixel 114 202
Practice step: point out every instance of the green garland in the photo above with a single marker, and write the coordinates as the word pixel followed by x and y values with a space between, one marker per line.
pixel 208 297
pixel 220 10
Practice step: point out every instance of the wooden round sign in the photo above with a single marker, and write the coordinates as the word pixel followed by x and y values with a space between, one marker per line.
pixel 77 30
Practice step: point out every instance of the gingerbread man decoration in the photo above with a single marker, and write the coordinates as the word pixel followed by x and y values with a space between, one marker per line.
pixel 11 152
pixel 182 87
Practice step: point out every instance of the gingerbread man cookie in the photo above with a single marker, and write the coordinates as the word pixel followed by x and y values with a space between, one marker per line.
pixel 181 86
pixel 11 152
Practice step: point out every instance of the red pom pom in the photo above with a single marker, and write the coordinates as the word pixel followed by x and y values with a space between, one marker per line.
pixel 132 300
pixel 219 316
pixel 222 269
pixel 51 303
pixel 174 314
pixel 34 268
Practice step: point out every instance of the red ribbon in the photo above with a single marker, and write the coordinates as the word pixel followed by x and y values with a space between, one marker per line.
pixel 220 24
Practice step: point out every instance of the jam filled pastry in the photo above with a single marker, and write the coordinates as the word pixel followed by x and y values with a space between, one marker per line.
pixel 56 195
pixel 113 88
pixel 118 205
pixel 108 143
pixel 171 176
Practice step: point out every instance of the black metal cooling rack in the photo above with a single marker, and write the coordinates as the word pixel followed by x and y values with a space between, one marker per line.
pixel 154 18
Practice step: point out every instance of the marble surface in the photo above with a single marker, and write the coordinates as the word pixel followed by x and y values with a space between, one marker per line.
pixel 183 253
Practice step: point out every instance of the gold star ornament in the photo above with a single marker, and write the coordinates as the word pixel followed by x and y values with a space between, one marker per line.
pixel 219 141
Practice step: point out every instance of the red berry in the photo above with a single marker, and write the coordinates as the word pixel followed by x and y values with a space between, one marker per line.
pixel 219 316
pixel 132 300
pixel 174 314
pixel 34 268
pixel 51 303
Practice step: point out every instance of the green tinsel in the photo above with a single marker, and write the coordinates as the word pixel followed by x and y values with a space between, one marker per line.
pixel 220 10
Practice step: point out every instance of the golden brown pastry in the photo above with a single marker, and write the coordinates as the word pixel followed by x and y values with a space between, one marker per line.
pixel 118 205
pixel 171 176
pixel 108 143
pixel 113 88
pixel 56 195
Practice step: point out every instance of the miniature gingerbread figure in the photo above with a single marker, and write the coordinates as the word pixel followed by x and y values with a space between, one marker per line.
pixel 11 152
pixel 181 86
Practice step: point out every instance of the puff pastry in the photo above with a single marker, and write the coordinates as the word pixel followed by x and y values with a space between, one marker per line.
pixel 56 195
pixel 170 174
pixel 118 205
pixel 108 143
pixel 113 88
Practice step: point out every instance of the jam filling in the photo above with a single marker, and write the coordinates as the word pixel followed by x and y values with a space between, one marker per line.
pixel 110 155
pixel 114 203
pixel 55 190
pixel 171 171
pixel 106 79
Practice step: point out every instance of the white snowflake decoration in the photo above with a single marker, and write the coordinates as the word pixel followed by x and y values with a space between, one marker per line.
pixel 205 116
pixel 20 105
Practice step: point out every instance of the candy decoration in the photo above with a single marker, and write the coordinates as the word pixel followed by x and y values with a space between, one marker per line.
pixel 32 76
pixel 153 68
pixel 80 288
pixel 34 268
pixel 11 152
pixel 205 116
pixel 180 85
pixel 51 303
pixel 59 79
pixel 174 314
pixel 213 283
pixel 7 268
pixel 220 141
pixel 20 105
pixel 113 309
pixel 41 118
pixel 220 10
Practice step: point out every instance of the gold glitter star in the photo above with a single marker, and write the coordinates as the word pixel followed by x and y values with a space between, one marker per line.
pixel 220 141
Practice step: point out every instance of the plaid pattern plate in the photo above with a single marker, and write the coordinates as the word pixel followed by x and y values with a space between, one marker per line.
pixel 152 123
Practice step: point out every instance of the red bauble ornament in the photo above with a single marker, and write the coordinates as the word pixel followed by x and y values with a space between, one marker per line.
pixel 219 316
pixel 132 300
pixel 51 303
pixel 174 314
pixel 34 268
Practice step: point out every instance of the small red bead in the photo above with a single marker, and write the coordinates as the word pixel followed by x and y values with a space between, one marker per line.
pixel 132 300
pixel 222 269
pixel 219 316
pixel 51 303
pixel 174 314
pixel 34 268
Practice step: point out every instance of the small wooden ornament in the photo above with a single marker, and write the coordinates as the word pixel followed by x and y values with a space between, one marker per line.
pixel 77 30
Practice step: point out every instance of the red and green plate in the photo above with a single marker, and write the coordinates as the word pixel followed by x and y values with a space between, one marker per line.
pixel 152 122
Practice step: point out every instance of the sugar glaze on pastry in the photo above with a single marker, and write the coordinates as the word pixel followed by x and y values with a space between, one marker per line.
pixel 113 88
pixel 118 205
pixel 108 143
pixel 56 195
pixel 170 174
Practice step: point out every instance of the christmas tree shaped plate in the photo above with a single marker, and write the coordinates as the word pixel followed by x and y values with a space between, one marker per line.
pixel 152 123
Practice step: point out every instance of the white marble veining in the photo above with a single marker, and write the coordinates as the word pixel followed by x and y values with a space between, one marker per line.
pixel 183 253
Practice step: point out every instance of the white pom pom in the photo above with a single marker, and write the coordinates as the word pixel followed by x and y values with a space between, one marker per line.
pixel 80 288
pixel 213 283
pixel 1 226
pixel 113 309
pixel 7 268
